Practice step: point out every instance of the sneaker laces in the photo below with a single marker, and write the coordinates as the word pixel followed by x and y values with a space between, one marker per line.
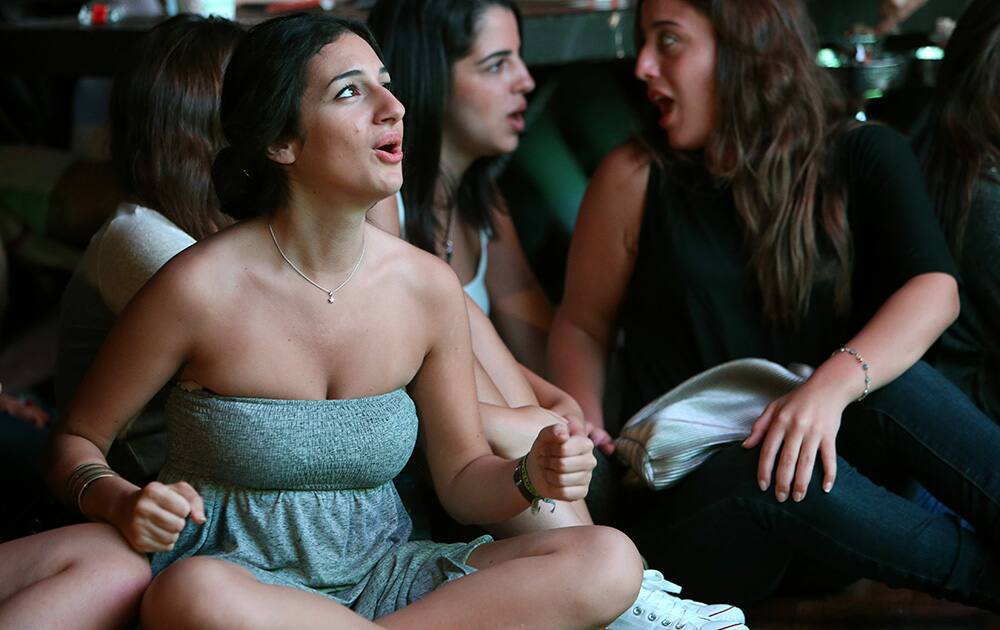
pixel 662 604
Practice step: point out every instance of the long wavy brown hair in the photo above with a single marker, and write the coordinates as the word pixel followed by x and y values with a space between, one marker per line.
pixel 165 128
pixel 960 145
pixel 775 142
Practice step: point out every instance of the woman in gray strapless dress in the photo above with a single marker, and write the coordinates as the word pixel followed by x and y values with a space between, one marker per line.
pixel 298 406
pixel 300 493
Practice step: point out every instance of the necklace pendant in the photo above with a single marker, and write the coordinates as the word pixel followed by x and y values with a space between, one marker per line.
pixel 330 293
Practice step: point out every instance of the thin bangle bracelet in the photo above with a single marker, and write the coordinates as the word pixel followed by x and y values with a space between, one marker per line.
pixel 82 476
pixel 86 484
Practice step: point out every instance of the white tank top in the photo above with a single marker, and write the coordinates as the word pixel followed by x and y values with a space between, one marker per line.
pixel 476 289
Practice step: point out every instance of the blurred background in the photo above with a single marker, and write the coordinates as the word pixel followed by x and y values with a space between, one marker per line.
pixel 56 187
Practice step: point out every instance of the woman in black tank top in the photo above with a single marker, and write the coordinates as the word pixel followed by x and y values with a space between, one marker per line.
pixel 754 219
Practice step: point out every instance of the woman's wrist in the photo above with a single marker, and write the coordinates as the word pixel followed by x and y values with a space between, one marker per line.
pixel 82 478
pixel 862 363
pixel 523 481
pixel 841 378
pixel 108 501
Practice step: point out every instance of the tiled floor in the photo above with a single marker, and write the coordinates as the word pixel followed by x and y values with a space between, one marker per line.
pixel 867 605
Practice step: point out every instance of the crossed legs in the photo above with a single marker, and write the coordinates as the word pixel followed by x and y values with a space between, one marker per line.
pixel 581 577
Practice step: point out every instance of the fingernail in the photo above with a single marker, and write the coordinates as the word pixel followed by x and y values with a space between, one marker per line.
pixel 827 487
pixel 782 496
pixel 763 484
pixel 798 496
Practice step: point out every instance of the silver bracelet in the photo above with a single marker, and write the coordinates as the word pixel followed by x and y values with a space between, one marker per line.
pixel 864 367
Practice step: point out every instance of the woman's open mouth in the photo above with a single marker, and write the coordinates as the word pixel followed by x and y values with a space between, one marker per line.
pixel 389 148
pixel 517 121
pixel 667 107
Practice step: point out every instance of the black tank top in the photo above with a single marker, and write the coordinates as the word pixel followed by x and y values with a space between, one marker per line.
pixel 693 302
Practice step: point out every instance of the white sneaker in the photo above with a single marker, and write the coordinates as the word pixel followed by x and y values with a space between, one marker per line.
pixel 657 607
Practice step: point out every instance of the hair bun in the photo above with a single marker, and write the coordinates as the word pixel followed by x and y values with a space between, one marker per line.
pixel 233 183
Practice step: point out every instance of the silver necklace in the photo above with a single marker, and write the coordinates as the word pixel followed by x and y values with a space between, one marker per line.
pixel 330 293
pixel 449 244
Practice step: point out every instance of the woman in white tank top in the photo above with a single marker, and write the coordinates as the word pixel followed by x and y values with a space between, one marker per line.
pixel 465 95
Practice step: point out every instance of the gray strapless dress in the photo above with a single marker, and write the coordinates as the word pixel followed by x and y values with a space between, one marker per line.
pixel 300 493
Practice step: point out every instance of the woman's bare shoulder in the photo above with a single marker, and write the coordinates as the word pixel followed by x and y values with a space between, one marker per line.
pixel 617 192
pixel 627 165
pixel 206 271
pixel 418 271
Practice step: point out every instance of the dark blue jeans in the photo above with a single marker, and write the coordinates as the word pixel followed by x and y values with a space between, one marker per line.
pixel 725 540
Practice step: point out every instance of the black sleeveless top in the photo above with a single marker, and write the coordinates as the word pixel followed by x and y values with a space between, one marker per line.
pixel 693 303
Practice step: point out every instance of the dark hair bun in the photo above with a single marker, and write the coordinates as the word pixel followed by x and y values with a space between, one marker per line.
pixel 233 183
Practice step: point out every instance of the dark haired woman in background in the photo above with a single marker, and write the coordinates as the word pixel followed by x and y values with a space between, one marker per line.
pixel 457 67
pixel 304 345
pixel 960 148
pixel 165 105
pixel 165 133
pixel 755 223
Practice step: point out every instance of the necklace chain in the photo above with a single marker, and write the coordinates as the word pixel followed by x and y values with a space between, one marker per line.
pixel 449 244
pixel 330 293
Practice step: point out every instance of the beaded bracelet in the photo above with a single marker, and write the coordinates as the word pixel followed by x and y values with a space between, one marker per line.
pixel 864 366
pixel 527 489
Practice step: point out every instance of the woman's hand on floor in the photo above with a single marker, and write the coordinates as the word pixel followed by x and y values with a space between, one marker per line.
pixel 561 462
pixel 792 429
pixel 153 517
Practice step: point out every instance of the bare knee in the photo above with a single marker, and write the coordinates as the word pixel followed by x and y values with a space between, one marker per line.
pixel 105 560
pixel 107 546
pixel 618 560
pixel 191 593
pixel 125 575
pixel 85 572
pixel 609 567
